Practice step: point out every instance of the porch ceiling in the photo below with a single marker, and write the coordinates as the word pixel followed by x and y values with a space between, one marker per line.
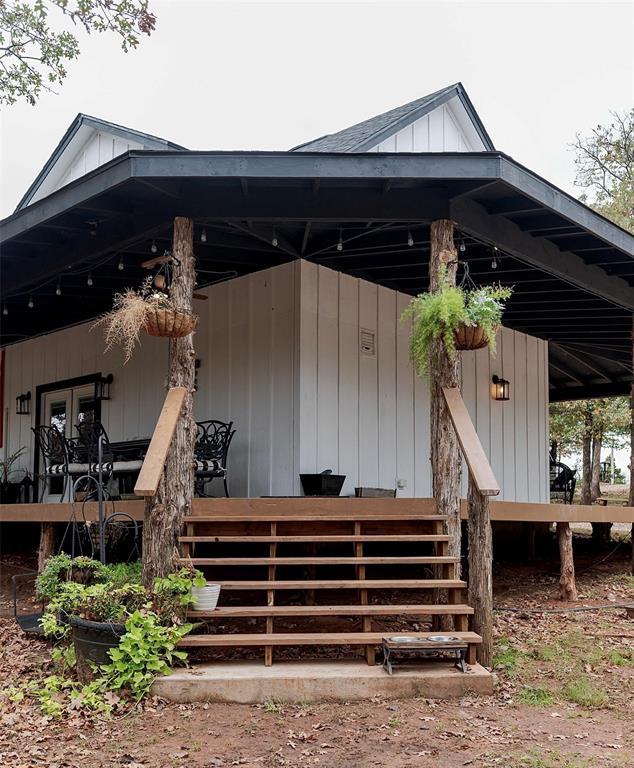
pixel 573 270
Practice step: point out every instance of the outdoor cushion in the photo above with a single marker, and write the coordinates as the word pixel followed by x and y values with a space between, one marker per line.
pixel 117 467
pixel 209 466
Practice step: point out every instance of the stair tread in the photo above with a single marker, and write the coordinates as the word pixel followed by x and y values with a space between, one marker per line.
pixel 346 584
pixel 310 638
pixel 304 517
pixel 362 560
pixel 332 610
pixel 333 538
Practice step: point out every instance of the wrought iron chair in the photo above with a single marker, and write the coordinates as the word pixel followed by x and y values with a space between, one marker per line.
pixel 211 450
pixel 84 454
pixel 52 446
pixel 563 481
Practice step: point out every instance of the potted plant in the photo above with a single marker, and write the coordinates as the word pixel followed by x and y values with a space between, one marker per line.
pixel 9 488
pixel 108 608
pixel 463 319
pixel 149 308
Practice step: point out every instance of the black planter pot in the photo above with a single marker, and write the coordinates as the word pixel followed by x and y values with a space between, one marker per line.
pixel 10 493
pixel 322 485
pixel 92 641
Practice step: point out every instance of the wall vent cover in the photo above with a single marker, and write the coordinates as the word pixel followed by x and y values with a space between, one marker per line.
pixel 368 343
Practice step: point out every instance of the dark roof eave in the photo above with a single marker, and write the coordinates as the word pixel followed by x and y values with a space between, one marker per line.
pixel 443 166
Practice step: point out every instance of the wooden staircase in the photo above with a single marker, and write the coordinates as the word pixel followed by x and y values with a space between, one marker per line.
pixel 334 560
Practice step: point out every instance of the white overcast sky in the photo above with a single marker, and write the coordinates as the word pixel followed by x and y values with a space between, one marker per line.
pixel 262 75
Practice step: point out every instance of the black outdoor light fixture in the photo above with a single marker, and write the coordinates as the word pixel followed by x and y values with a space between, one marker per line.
pixel 102 387
pixel 23 404
pixel 501 389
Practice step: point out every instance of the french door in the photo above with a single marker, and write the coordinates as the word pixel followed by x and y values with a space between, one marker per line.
pixel 65 408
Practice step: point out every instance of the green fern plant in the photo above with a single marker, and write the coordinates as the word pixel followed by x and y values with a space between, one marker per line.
pixel 439 314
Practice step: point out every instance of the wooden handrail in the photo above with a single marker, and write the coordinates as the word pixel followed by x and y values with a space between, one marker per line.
pixel 472 450
pixel 154 462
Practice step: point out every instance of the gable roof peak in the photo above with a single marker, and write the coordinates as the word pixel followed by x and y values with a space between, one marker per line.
pixel 368 133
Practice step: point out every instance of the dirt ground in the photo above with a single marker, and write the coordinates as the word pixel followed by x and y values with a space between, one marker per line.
pixel 564 698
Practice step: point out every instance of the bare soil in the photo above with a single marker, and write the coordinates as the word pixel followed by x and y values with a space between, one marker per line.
pixel 564 698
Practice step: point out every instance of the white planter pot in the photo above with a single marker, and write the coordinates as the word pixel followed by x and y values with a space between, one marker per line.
pixel 206 598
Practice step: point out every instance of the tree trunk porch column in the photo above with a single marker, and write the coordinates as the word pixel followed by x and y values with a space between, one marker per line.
pixel 166 510
pixel 446 463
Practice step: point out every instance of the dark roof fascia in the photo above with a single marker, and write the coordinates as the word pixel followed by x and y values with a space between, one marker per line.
pixel 475 119
pixel 306 165
pixel 127 134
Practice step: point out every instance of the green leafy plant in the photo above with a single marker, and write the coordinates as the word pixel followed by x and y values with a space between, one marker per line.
pixel 438 315
pixel 146 650
pixel 154 622
pixel 6 465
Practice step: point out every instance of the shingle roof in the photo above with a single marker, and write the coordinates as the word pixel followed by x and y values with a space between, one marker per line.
pixel 364 135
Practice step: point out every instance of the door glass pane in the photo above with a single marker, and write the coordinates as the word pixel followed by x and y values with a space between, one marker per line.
pixel 86 410
pixel 58 415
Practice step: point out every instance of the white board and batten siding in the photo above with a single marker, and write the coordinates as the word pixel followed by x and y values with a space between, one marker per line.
pixel 312 367
pixel 365 414
pixel 137 390
pixel 447 128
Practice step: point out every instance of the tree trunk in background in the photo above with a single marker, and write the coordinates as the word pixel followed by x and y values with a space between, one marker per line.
pixel 481 572
pixel 600 531
pixel 446 463
pixel 567 586
pixel 173 501
pixel 595 482
pixel 586 466
pixel 631 499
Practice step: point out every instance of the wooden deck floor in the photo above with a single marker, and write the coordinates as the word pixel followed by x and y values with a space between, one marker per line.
pixel 335 507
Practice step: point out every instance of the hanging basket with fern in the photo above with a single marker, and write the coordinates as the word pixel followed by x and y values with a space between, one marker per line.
pixel 464 318
pixel 469 337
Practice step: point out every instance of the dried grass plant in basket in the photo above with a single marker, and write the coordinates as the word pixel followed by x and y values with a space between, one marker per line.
pixel 145 309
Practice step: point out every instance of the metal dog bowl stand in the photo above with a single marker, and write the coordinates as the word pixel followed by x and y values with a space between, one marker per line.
pixel 424 647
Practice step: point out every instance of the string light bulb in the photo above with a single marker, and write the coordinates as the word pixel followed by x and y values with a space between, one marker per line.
pixel 340 242
pixel 58 288
pixel 90 281
pixel 410 239
pixel 5 311
pixel 494 263
pixel 154 247
pixel 120 265
pixel 203 236
pixel 274 240
pixel 462 247
pixel 31 303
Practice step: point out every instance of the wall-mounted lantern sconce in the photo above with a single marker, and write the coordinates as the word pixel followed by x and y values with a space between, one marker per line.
pixel 102 387
pixel 500 388
pixel 23 404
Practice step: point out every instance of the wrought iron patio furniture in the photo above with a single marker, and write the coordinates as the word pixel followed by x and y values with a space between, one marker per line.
pixel 52 445
pixel 563 481
pixel 212 447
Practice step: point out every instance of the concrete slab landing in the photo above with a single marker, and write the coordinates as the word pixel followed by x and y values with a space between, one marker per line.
pixel 250 682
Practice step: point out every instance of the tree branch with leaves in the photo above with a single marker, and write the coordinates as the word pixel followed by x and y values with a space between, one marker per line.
pixel 37 39
pixel 605 168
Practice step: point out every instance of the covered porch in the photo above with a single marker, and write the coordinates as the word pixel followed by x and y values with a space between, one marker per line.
pixel 285 235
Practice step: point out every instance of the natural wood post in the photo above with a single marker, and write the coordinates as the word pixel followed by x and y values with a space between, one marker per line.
pixel 445 372
pixel 481 571
pixel 567 586
pixel 165 511
pixel 47 545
